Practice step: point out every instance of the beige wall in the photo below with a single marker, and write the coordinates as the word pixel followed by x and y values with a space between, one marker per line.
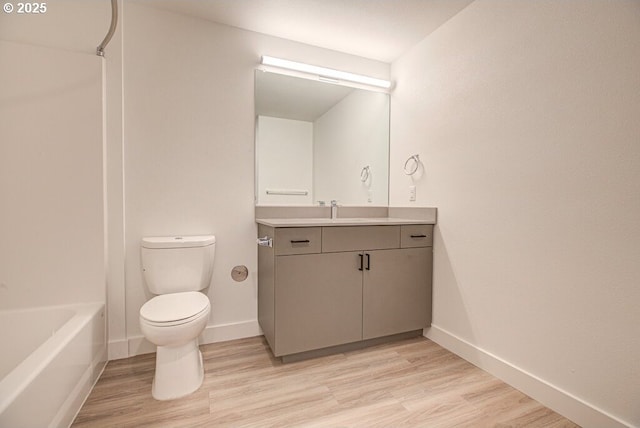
pixel 189 148
pixel 346 138
pixel 188 113
pixel 51 156
pixel 79 27
pixel 525 115
pixel 51 166
pixel 72 25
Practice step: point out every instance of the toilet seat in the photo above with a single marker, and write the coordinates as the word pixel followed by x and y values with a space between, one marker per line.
pixel 172 309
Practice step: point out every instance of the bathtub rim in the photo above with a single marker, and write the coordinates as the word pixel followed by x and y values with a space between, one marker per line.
pixel 14 383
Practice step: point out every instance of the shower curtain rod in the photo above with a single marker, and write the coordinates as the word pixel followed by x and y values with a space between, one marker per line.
pixel 112 28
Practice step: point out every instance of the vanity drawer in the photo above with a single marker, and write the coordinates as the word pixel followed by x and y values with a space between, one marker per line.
pixel 355 238
pixel 297 240
pixel 416 235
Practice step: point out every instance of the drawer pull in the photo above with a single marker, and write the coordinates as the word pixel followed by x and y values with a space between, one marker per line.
pixel 302 241
pixel 418 236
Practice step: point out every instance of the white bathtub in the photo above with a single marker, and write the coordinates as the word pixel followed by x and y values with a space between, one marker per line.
pixel 50 359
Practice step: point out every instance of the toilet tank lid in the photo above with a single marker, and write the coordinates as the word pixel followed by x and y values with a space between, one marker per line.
pixel 178 241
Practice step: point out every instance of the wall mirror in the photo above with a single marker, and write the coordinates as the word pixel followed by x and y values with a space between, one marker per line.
pixel 317 141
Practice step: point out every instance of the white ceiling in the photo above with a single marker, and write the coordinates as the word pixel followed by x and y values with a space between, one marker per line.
pixel 377 29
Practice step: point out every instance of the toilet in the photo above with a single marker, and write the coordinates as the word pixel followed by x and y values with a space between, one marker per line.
pixel 176 269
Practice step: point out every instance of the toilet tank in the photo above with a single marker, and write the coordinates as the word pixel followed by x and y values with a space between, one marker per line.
pixel 172 264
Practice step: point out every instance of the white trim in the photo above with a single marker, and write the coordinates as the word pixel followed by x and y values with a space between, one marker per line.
pixel 118 349
pixel 138 345
pixel 232 331
pixel 563 402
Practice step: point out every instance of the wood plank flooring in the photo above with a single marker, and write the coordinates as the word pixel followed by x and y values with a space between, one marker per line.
pixel 409 383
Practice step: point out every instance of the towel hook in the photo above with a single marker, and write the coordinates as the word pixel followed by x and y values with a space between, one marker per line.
pixel 414 169
pixel 364 174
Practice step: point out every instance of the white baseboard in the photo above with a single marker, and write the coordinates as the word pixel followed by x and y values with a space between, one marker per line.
pixel 233 331
pixel 118 349
pixel 138 345
pixel 568 405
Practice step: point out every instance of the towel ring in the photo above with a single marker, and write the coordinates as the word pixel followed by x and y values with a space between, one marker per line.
pixel 413 170
pixel 364 174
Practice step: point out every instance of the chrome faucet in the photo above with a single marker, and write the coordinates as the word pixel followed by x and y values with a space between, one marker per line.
pixel 334 209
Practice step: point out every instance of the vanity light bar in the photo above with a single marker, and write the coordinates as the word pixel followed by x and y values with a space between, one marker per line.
pixel 325 72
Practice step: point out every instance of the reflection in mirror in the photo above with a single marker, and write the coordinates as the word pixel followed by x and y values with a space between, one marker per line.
pixel 317 142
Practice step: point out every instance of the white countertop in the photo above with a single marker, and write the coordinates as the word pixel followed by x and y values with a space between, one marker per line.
pixel 358 221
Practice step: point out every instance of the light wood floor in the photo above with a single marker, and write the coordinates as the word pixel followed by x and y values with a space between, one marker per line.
pixel 410 383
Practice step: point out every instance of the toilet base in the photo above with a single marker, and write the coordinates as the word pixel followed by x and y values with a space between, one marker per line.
pixel 179 371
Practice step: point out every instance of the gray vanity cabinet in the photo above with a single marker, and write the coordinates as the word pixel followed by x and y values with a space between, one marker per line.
pixel 320 287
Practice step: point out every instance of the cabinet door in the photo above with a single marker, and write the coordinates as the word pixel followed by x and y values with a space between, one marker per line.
pixel 318 301
pixel 397 291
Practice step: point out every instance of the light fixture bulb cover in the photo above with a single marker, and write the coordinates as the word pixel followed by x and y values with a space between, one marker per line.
pixel 325 72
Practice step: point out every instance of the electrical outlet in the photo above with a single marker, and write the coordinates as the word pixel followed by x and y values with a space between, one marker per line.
pixel 412 193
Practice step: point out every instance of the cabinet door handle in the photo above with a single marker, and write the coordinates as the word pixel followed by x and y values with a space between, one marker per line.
pixel 301 241
pixel 418 236
pixel 368 261
pixel 361 261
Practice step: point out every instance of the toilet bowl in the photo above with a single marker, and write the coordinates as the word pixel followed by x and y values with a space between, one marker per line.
pixel 173 323
pixel 175 270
